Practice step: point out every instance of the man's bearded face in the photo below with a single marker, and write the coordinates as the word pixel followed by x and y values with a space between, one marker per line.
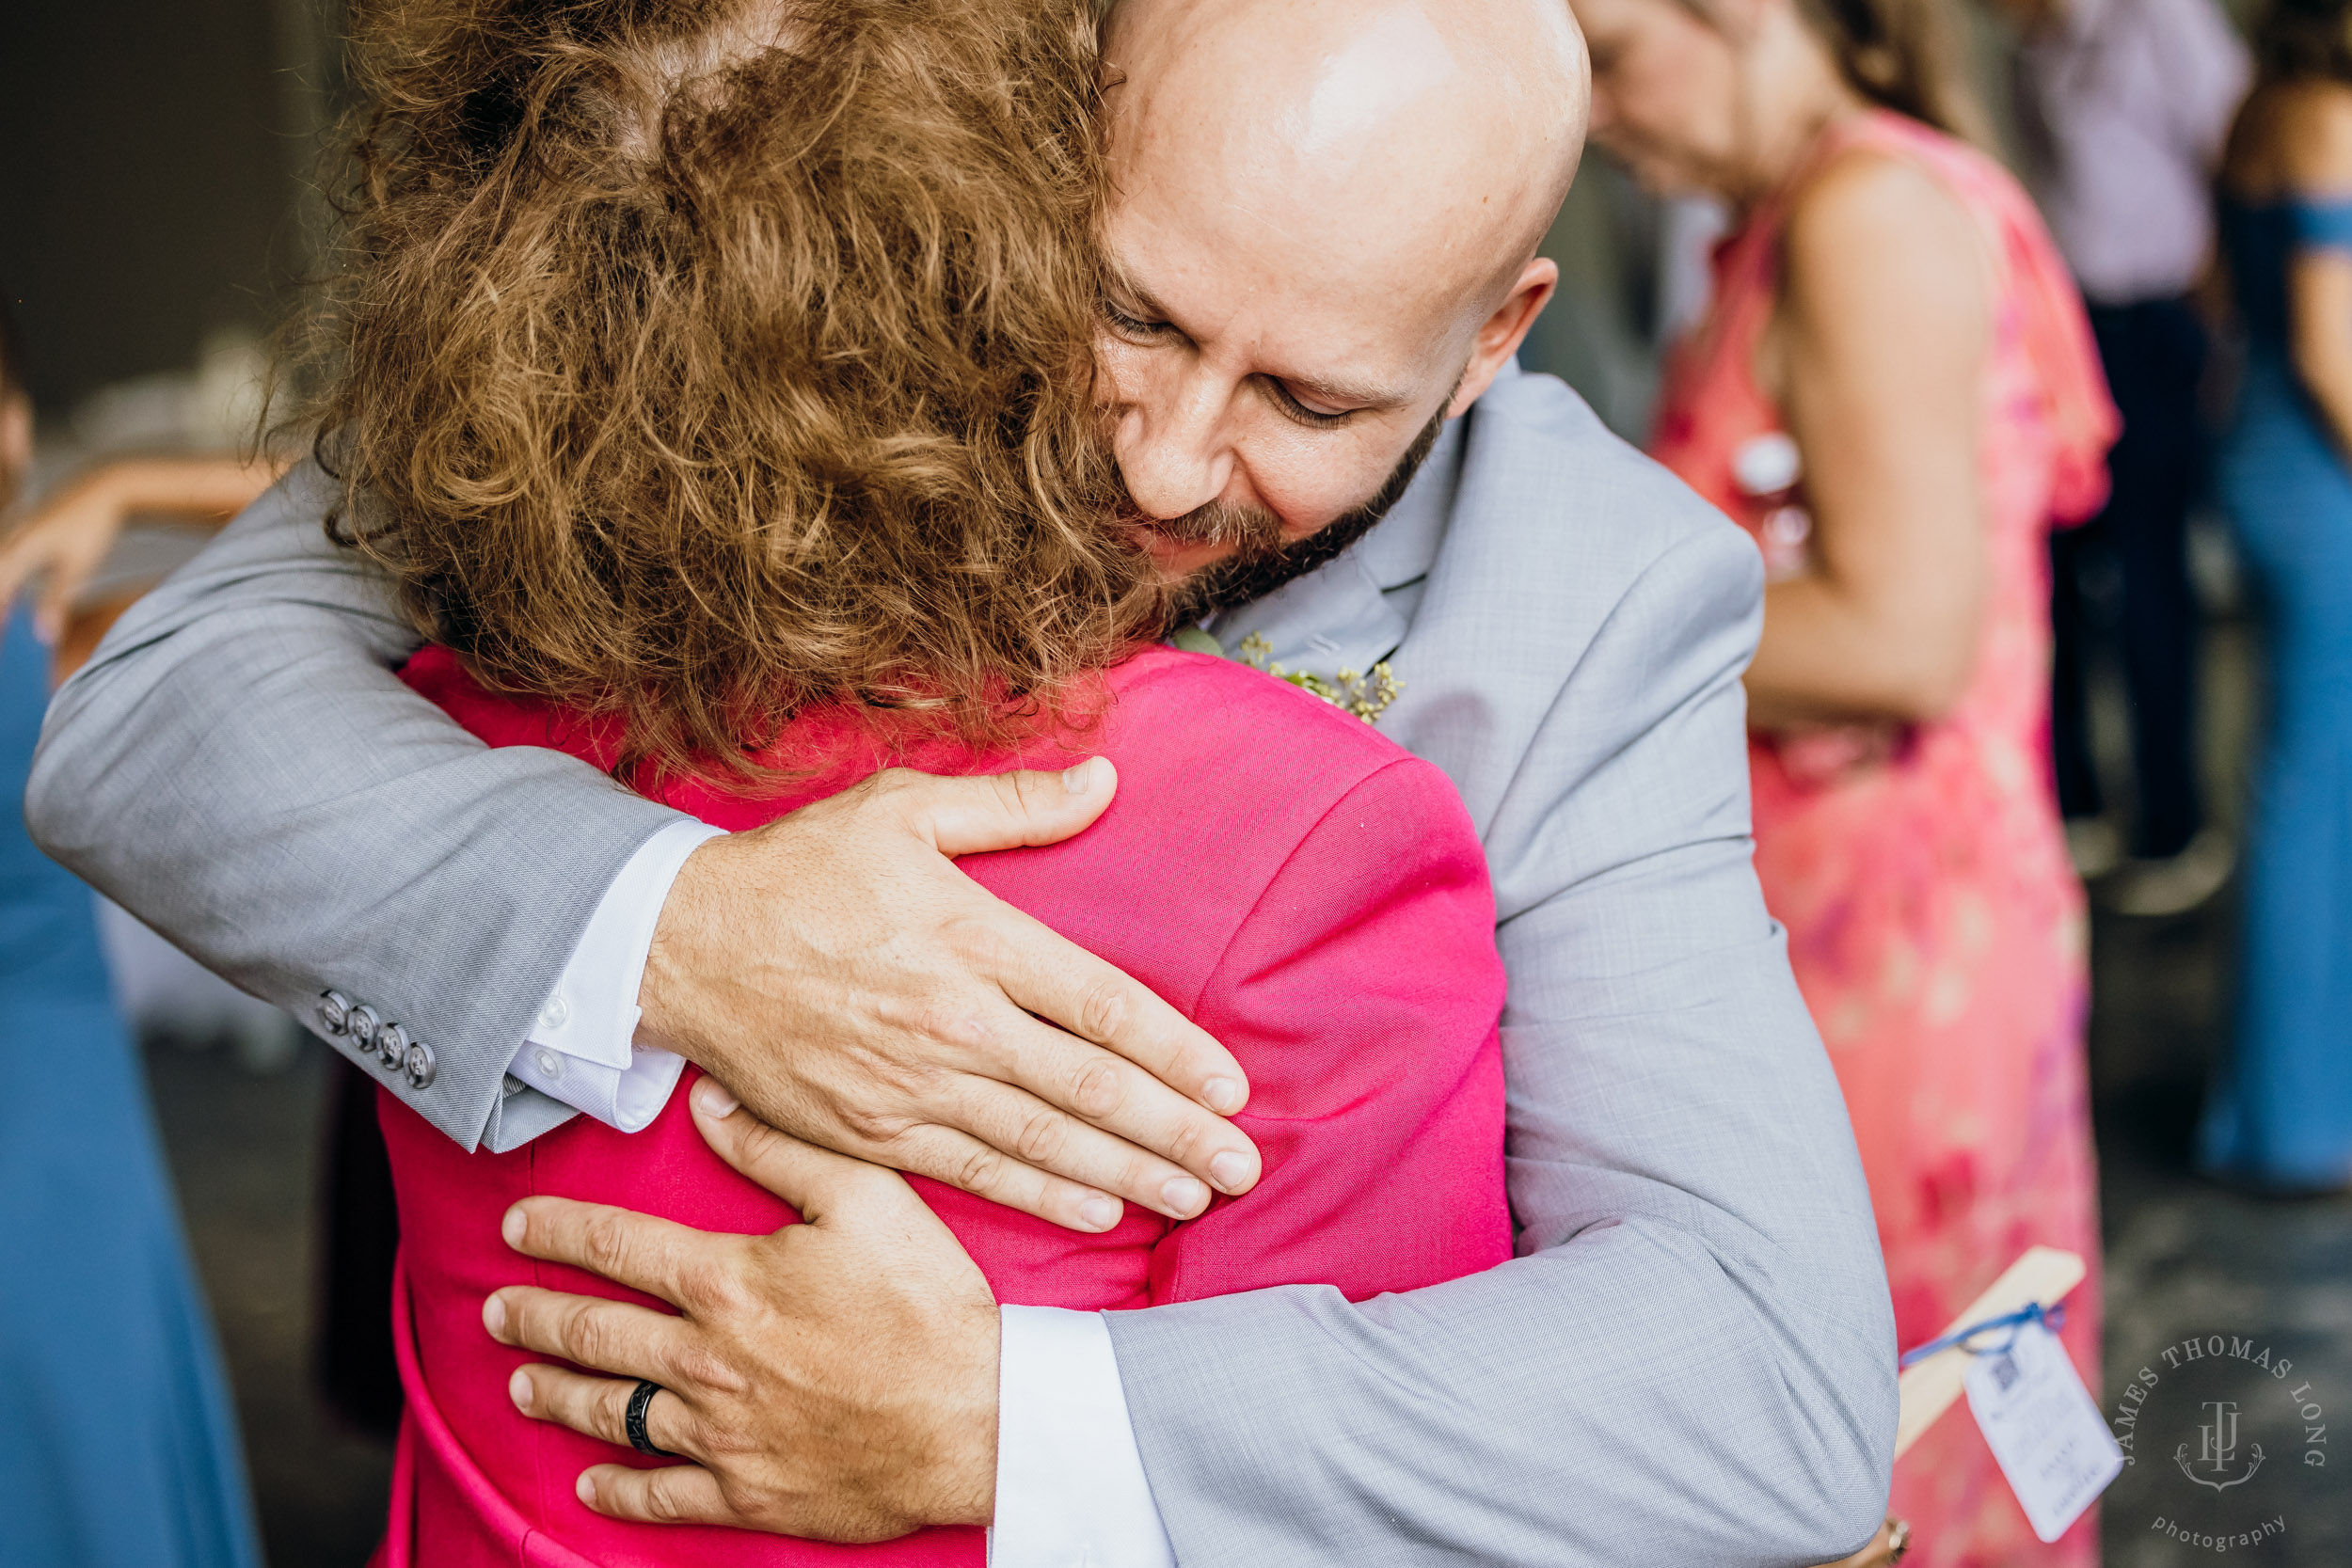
pixel 1263 561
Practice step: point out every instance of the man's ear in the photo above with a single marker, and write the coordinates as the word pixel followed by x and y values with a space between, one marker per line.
pixel 16 443
pixel 1501 334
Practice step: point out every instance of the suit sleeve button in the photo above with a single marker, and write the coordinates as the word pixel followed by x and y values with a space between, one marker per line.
pixel 392 1045
pixel 335 1013
pixel 363 1022
pixel 421 1065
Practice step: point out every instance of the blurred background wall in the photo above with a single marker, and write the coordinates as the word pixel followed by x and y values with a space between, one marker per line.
pixel 152 190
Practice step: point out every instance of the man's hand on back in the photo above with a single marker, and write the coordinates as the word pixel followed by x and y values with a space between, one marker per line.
pixel 835 1380
pixel 853 986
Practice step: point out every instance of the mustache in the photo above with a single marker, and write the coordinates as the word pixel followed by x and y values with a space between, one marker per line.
pixel 1253 528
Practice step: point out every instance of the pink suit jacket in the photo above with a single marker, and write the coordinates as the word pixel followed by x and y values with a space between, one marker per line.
pixel 1307 891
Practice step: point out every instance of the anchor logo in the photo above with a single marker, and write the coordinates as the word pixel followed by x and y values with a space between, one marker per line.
pixel 2218 1448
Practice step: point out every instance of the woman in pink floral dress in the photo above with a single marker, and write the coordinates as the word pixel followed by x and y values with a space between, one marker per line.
pixel 1896 392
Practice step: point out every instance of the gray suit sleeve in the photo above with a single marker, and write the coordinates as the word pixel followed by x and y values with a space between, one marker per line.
pixel 1693 1359
pixel 240 767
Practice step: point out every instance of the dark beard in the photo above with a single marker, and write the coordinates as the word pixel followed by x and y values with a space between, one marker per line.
pixel 1265 562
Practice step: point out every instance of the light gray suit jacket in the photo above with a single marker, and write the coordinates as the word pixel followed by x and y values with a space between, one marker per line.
pixel 1691 1360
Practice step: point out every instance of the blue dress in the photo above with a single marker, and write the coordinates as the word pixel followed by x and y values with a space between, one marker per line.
pixel 116 1437
pixel 2281 1110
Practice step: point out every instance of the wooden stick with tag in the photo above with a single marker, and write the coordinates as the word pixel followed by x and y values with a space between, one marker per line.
pixel 2043 1274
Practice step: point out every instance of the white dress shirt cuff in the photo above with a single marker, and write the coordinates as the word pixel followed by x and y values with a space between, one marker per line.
pixel 582 1048
pixel 1071 1491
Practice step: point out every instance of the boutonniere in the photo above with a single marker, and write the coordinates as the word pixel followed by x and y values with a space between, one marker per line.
pixel 1366 696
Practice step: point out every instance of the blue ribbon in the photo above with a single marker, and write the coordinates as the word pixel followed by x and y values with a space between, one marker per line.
pixel 2054 1319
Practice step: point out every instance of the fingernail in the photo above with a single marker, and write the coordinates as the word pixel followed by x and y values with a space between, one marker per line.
pixel 518 1389
pixel 513 1225
pixel 1222 1094
pixel 1080 779
pixel 494 1317
pixel 714 1102
pixel 586 1488
pixel 1184 1195
pixel 1229 1170
pixel 1099 1214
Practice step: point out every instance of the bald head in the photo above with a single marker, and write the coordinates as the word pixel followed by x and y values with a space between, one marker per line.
pixel 1322 222
pixel 1437 135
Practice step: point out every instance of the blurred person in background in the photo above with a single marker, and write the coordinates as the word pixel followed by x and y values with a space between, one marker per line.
pixel 64 540
pixel 121 1446
pixel 2123 105
pixel 2282 1113
pixel 1895 391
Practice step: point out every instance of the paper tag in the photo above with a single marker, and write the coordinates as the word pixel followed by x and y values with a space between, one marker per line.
pixel 2039 1423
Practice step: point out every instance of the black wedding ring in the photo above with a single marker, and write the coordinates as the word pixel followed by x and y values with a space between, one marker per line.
pixel 646 1389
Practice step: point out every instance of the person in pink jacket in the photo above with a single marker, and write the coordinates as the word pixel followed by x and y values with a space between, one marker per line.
pixel 1308 890
pixel 714 390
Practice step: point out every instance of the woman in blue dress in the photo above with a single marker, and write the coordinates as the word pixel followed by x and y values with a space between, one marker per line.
pixel 2282 1113
pixel 115 1432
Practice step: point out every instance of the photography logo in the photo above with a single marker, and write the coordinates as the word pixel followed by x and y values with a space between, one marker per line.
pixel 2239 1437
pixel 2218 1449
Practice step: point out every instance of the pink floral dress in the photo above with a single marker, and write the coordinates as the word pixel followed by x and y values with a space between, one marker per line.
pixel 1934 924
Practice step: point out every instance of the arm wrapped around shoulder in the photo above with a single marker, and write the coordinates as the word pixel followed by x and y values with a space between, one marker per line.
pixel 1363 992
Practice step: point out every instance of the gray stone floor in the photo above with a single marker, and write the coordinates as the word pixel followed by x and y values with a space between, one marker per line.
pixel 2185 1258
pixel 2188 1259
pixel 246 1149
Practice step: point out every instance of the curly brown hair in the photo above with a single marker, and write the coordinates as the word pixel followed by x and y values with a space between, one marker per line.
pixel 695 362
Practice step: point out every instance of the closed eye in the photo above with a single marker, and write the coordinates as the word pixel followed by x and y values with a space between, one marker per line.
pixel 1287 402
pixel 1139 329
pixel 1135 328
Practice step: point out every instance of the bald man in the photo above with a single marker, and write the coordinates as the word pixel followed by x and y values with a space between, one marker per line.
pixel 1323 232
